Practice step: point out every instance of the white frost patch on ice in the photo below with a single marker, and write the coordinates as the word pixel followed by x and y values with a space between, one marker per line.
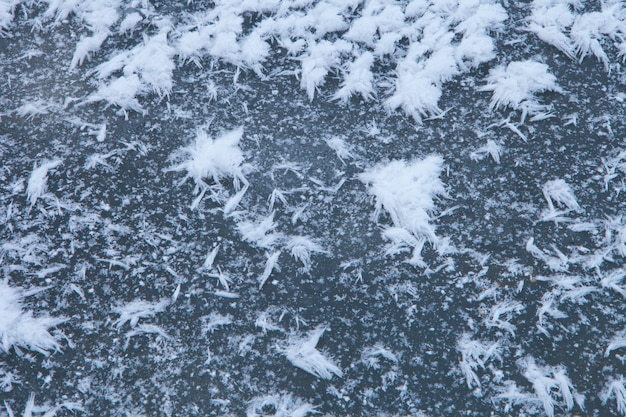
pixel 261 234
pixel 145 329
pixel 21 329
pixel 550 20
pixel 516 84
pixel 501 313
pixel 358 79
pixel 38 181
pixel 301 248
pixel 34 108
pixel 407 191
pixel 560 193
pixel 618 342
pixel 147 67
pixel 549 307
pixel 492 148
pixel 30 409
pixel 265 322
pixel 341 148
pixel 214 159
pixel 474 356
pixel 302 353
pixel 86 46
pixel 589 29
pixel 135 310
pixel 326 37
pixel 270 265
pixel 556 263
pixel 320 59
pixel 280 405
pixel 370 355
pixel 614 280
pixel 214 321
pixel 7 10
pixel 616 388
pixel 555 22
pixel 121 92
pixel 551 384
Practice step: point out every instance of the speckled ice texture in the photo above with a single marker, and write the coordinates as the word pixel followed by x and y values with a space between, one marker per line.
pixel 312 208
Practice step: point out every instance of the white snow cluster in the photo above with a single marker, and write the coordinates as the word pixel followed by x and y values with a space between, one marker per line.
pixel 578 35
pixel 214 159
pixel 302 353
pixel 38 181
pixel 20 328
pixel 558 194
pixel 475 354
pixel 279 405
pixel 430 42
pixel 616 388
pixel 407 191
pixel 135 310
pixel 516 84
pixel 551 385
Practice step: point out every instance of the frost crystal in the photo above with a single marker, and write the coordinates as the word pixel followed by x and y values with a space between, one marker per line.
pixel 407 191
pixel 19 328
pixel 616 388
pixel 550 383
pixel 516 85
pixel 38 181
pixel 280 406
pixel 559 192
pixel 136 310
pixel 301 352
pixel 214 159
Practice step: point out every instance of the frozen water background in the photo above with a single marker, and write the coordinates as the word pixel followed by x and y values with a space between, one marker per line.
pixel 518 288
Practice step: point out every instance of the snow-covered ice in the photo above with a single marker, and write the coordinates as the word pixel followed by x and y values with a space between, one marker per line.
pixel 312 207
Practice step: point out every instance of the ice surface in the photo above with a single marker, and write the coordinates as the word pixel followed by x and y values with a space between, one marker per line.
pixel 186 199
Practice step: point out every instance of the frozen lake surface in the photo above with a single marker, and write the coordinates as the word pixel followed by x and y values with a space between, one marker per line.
pixel 291 208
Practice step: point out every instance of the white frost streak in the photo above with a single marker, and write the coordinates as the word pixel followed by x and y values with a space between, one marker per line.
pixel 270 265
pixel 301 353
pixel 138 309
pixel 86 46
pixel 491 148
pixel 301 248
pixel 616 388
pixel 550 383
pixel 38 181
pixel 560 193
pixel 474 356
